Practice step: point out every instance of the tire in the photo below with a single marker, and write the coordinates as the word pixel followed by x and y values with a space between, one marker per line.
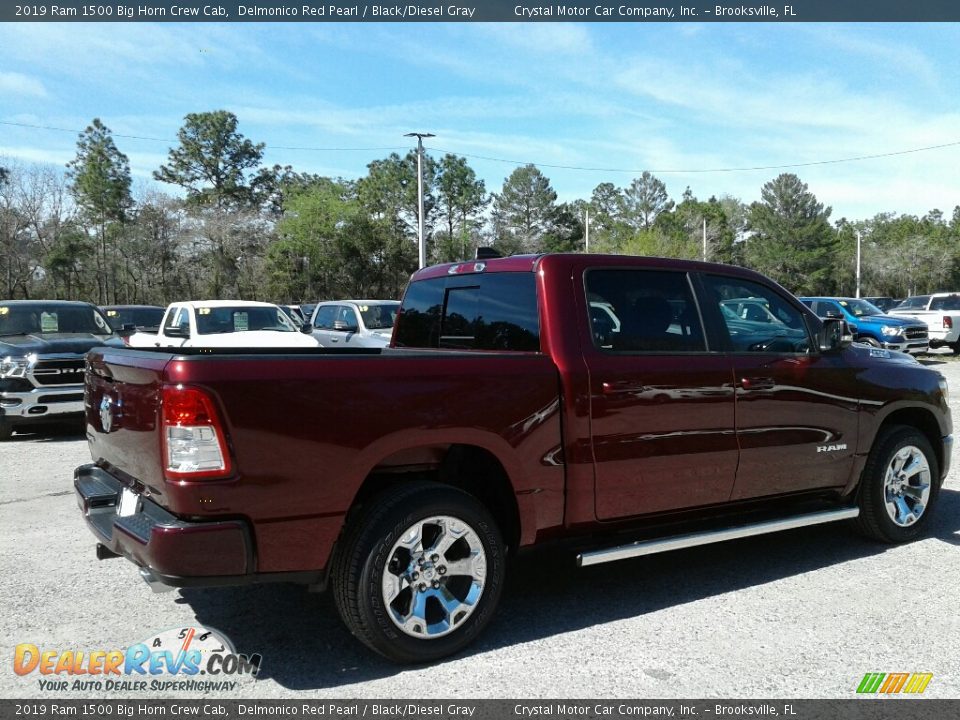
pixel 869 341
pixel 404 601
pixel 896 505
pixel 6 430
pixel 955 347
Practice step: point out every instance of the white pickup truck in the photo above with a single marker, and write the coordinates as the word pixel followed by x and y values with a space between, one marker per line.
pixel 941 313
pixel 223 323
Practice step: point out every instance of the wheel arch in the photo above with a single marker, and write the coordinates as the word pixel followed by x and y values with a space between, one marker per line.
pixel 920 418
pixel 473 468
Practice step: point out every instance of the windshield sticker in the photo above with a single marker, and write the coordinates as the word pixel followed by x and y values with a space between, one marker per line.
pixel 364 308
pixel 4 310
pixel 111 313
pixel 203 311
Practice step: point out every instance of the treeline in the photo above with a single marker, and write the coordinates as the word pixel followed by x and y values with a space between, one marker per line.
pixel 242 229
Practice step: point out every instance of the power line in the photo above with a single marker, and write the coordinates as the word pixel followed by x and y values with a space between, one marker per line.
pixel 661 171
pixel 708 170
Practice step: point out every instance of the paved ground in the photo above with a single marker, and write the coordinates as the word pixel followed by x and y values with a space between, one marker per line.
pixel 800 614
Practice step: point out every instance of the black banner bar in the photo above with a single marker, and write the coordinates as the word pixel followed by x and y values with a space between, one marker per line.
pixel 893 708
pixel 483 11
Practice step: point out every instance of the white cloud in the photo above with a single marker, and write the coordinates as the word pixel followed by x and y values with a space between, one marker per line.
pixel 18 84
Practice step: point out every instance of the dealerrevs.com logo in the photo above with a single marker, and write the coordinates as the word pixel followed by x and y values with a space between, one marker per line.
pixel 191 659
pixel 894 683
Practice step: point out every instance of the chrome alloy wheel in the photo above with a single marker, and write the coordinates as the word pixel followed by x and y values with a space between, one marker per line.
pixel 434 577
pixel 906 486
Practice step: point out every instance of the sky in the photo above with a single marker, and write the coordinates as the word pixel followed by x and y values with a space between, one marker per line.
pixel 720 108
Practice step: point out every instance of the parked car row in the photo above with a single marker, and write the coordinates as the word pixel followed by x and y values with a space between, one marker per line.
pixel 43 342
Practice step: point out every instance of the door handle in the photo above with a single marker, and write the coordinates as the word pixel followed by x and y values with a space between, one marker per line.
pixel 622 386
pixel 757 383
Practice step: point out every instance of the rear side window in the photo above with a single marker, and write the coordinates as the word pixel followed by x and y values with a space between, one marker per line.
pixel 918 302
pixel 471 312
pixel 643 311
pixel 950 302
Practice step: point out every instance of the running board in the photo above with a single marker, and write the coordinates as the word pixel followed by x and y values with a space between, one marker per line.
pixel 649 547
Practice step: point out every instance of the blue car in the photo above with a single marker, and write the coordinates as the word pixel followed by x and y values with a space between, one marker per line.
pixel 870 326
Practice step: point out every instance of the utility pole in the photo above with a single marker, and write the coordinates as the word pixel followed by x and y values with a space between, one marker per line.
pixel 704 239
pixel 422 246
pixel 586 225
pixel 858 263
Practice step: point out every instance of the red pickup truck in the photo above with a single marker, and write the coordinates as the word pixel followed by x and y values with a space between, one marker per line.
pixel 613 403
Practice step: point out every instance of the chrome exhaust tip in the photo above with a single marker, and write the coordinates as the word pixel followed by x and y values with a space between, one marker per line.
pixel 154 582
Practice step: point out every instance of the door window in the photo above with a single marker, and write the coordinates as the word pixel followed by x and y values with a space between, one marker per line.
pixel 325 317
pixel 643 311
pixel 782 329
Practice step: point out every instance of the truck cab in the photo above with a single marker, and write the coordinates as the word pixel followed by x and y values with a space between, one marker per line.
pixel 223 323
pixel 354 323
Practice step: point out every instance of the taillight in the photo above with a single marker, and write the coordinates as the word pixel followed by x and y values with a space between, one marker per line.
pixel 947 321
pixel 194 442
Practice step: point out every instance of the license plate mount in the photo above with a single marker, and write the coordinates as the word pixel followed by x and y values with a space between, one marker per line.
pixel 129 503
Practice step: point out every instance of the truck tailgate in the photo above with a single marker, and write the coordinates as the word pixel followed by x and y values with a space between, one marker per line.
pixel 122 402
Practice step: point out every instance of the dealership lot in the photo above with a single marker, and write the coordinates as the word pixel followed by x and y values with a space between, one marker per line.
pixel 799 614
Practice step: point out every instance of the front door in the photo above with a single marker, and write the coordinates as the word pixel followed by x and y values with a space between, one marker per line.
pixel 797 418
pixel 661 402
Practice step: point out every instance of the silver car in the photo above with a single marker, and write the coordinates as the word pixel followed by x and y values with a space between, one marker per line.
pixel 354 323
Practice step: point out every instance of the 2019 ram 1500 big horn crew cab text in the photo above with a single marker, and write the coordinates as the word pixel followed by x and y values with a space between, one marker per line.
pixel 506 413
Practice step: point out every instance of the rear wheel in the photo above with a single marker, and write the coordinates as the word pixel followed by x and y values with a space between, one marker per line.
pixel 6 430
pixel 899 486
pixel 419 575
pixel 955 347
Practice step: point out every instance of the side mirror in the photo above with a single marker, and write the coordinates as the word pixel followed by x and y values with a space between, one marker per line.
pixel 834 335
pixel 180 332
pixel 306 329
pixel 127 330
pixel 344 326
pixel 834 314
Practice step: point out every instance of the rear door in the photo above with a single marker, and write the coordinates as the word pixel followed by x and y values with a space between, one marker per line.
pixel 796 409
pixel 661 397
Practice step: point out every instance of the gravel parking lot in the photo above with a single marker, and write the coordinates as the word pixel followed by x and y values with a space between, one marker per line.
pixel 802 614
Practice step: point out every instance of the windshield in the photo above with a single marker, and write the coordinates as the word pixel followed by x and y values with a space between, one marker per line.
pixel 141 317
pixel 40 319
pixel 379 317
pixel 860 308
pixel 216 320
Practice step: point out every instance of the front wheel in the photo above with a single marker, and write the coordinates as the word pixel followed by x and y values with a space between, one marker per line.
pixel 419 575
pixel 872 342
pixel 899 486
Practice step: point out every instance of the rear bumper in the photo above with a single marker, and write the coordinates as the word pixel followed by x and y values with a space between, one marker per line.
pixel 176 551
